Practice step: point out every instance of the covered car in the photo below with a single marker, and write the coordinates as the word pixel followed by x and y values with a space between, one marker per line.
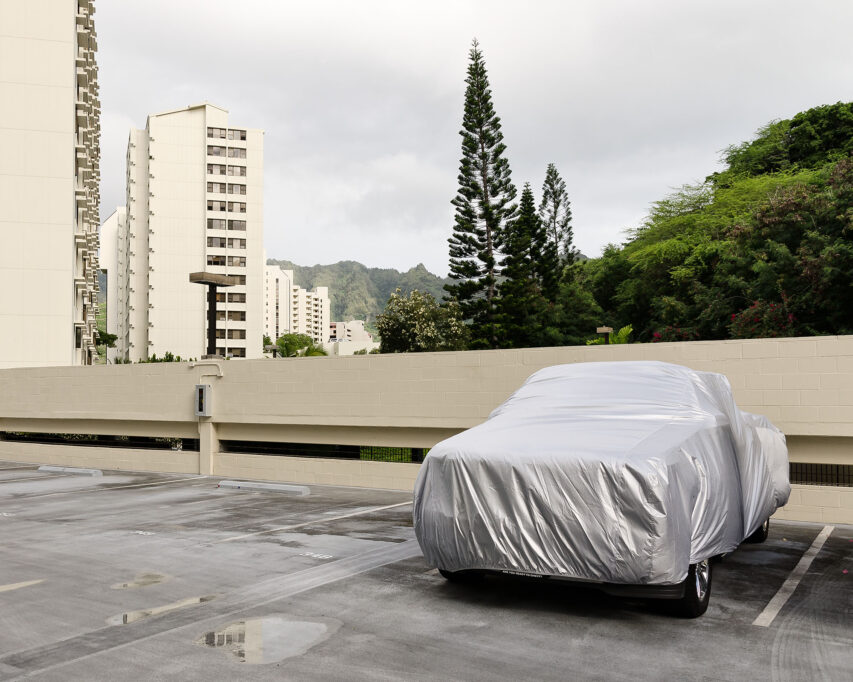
pixel 620 473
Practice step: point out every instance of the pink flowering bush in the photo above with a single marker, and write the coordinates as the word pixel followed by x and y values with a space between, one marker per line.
pixel 763 319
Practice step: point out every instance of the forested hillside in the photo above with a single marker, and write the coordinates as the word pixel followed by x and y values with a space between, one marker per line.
pixel 763 248
pixel 359 292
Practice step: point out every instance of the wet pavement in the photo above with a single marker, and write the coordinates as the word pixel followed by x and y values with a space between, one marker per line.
pixel 145 576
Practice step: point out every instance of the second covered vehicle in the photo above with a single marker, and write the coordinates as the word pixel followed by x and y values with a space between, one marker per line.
pixel 632 475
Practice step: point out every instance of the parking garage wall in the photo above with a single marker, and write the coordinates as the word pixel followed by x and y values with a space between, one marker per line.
pixel 804 385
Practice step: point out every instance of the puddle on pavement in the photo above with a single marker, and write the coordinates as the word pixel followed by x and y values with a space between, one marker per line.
pixel 133 616
pixel 142 580
pixel 271 639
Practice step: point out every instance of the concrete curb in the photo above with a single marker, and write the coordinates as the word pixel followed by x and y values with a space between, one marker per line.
pixel 298 490
pixel 71 470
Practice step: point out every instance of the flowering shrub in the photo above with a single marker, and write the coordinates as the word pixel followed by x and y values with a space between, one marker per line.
pixel 762 320
pixel 671 333
pixel 417 323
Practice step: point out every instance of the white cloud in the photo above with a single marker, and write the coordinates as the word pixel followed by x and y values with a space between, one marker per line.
pixel 362 101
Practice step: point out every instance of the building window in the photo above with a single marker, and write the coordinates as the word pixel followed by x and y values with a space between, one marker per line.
pixel 215 224
pixel 220 297
pixel 237 225
pixel 237 352
pixel 236 134
pixel 236 298
pixel 241 279
pixel 220 333
pixel 215 205
pixel 236 189
pixel 220 350
pixel 217 187
pixel 216 260
pixel 235 152
pixel 217 133
pixel 237 206
pixel 236 333
pixel 213 150
pixel 236 243
pixel 237 261
pixel 237 315
pixel 237 171
pixel 220 315
pixel 216 242
pixel 215 169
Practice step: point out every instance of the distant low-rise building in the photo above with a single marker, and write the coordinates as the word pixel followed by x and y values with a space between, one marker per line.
pixel 353 330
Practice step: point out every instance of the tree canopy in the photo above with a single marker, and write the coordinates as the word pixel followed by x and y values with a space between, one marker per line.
pixel 484 204
pixel 416 323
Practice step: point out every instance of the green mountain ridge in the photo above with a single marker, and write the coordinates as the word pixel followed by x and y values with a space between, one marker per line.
pixel 358 292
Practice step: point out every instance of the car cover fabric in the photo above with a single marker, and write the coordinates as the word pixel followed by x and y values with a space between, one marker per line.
pixel 617 472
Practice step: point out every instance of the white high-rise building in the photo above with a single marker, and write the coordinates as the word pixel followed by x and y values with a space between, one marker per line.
pixel 194 203
pixel 49 177
pixel 114 264
pixel 311 313
pixel 277 301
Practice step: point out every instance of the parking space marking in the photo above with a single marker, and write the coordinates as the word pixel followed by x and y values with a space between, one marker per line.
pixel 311 523
pixel 18 586
pixel 32 478
pixel 114 487
pixel 775 605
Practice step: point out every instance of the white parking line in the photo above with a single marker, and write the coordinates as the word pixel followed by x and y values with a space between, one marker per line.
pixel 32 478
pixel 772 609
pixel 18 586
pixel 311 523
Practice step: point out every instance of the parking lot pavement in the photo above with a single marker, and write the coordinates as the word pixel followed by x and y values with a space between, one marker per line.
pixel 131 576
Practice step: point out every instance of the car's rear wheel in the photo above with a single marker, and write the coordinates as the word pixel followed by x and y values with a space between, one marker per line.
pixel 760 535
pixel 697 591
pixel 461 576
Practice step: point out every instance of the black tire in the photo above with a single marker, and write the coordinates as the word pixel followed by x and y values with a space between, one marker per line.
pixel 461 577
pixel 697 591
pixel 761 534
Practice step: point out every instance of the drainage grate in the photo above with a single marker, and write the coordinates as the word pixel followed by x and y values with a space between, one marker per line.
pixel 822 474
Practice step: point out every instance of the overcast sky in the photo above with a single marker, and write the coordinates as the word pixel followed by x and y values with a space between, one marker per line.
pixel 362 101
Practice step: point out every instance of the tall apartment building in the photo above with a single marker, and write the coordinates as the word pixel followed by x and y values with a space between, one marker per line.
pixel 194 203
pixel 311 313
pixel 49 177
pixel 113 262
pixel 288 308
pixel 277 301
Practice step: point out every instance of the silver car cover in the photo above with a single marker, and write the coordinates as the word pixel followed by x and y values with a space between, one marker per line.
pixel 619 472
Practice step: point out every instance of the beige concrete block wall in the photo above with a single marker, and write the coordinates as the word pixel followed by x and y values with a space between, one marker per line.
pixel 804 385
pixel 821 504
pixel 317 471
pixel 120 459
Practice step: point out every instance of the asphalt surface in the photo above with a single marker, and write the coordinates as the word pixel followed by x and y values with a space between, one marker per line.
pixel 161 577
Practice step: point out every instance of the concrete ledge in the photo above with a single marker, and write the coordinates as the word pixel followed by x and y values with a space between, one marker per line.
pixel 298 490
pixel 90 457
pixel 71 470
pixel 819 504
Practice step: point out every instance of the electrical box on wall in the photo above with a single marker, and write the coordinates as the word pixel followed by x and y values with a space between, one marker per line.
pixel 203 407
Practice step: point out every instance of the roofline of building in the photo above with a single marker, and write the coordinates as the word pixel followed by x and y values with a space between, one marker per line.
pixel 189 107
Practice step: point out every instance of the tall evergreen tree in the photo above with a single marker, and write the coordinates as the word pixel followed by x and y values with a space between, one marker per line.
pixel 521 300
pixel 484 204
pixel 556 213
pixel 545 258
